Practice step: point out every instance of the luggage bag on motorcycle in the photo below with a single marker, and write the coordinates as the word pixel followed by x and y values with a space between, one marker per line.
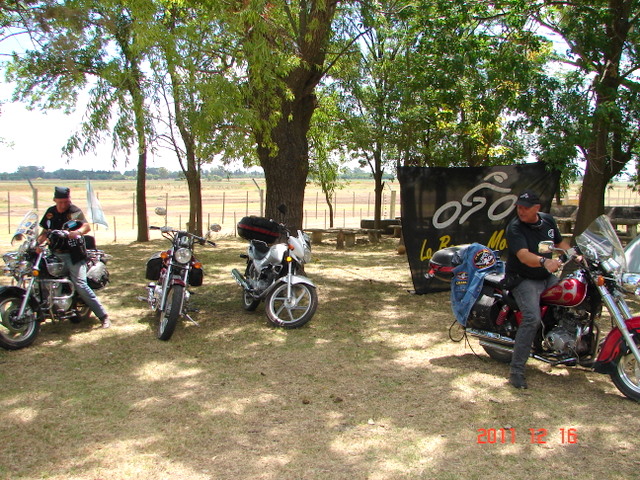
pixel 154 265
pixel 484 310
pixel 195 277
pixel 443 262
pixel 97 275
pixel 258 228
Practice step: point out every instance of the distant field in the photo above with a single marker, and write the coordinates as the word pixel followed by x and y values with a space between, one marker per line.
pixel 224 202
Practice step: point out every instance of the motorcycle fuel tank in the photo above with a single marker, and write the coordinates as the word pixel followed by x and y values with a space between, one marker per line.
pixel 568 292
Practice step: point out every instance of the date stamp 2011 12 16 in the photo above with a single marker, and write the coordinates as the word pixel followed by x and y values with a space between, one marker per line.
pixel 489 436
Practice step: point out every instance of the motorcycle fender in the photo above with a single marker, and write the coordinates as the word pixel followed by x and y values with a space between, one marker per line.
pixel 19 292
pixel 178 281
pixel 13 290
pixel 295 279
pixel 613 344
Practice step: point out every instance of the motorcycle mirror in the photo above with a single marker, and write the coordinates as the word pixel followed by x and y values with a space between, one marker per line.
pixel 545 246
pixel 214 227
pixel 161 211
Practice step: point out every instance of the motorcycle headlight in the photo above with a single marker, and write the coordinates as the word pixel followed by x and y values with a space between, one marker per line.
pixel 631 282
pixel 9 258
pixel 182 255
pixel 306 258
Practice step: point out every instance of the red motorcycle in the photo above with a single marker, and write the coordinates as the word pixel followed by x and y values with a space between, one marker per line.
pixel 569 333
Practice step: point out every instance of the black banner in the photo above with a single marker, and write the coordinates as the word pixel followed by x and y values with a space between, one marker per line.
pixel 443 207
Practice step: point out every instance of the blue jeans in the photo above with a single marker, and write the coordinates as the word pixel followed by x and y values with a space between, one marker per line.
pixel 78 275
pixel 527 295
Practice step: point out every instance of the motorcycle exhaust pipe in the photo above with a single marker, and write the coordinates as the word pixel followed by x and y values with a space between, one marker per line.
pixel 492 338
pixel 496 346
pixel 240 279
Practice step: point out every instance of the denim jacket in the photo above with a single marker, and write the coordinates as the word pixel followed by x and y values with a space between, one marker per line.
pixel 476 261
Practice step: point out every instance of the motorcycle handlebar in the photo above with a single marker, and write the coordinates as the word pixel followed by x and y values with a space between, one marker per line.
pixel 200 240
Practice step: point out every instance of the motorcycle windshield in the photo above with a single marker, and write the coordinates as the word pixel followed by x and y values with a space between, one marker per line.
pixel 28 227
pixel 600 243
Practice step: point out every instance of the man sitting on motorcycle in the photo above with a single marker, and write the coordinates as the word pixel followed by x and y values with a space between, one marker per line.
pixel 54 219
pixel 529 273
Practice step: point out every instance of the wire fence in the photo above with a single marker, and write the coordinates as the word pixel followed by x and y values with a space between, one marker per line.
pixel 223 202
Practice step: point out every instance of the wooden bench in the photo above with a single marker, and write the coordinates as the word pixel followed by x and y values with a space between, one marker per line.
pixel 346 237
pixel 397 230
pixel 630 224
pixel 566 225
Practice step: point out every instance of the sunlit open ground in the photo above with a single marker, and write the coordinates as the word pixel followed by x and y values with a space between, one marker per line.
pixel 371 388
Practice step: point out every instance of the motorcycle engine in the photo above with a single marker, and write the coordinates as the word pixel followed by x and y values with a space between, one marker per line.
pixel 58 295
pixel 560 340
pixel 565 337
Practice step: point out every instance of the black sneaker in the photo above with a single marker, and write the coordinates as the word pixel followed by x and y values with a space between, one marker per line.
pixel 518 380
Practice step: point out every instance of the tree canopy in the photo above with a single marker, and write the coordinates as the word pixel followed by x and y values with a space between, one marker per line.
pixel 388 83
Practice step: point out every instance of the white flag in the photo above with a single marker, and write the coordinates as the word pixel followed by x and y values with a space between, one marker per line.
pixel 94 210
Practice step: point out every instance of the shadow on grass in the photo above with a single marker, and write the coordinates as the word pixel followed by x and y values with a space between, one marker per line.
pixel 371 388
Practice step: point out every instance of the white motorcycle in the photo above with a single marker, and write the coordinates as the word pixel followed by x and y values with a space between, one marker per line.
pixel 274 272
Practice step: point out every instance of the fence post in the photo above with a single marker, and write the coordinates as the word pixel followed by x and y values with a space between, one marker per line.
pixel 223 205
pixel 392 206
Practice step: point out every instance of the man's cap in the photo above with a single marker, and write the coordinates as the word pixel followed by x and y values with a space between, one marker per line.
pixel 61 192
pixel 528 198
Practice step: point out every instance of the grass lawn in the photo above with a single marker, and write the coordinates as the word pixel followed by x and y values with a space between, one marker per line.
pixel 372 388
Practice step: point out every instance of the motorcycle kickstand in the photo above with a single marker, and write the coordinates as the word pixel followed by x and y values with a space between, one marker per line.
pixel 191 320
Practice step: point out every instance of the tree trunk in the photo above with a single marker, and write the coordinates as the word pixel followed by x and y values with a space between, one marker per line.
pixel 378 172
pixel 195 194
pixel 141 198
pixel 286 171
pixel 141 185
pixel 605 158
pixel 327 197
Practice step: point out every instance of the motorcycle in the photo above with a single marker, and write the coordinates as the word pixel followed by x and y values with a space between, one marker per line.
pixel 40 287
pixel 569 333
pixel 172 272
pixel 274 272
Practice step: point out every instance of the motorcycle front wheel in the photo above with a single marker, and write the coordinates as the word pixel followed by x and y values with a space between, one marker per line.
pixel 169 316
pixel 294 311
pixel 16 333
pixel 626 375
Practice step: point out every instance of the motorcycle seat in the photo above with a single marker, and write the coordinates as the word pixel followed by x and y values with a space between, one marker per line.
pixel 496 282
pixel 494 279
pixel 260 249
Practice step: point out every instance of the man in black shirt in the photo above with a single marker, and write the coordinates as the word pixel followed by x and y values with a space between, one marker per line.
pixel 54 219
pixel 531 272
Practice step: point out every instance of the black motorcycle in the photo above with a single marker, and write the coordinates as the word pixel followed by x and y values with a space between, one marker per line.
pixel 173 272
pixel 41 287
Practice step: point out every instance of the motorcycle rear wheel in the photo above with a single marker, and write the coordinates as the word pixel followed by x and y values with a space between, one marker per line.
pixel 295 312
pixel 626 375
pixel 249 303
pixel 498 355
pixel 16 333
pixel 82 312
pixel 169 316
